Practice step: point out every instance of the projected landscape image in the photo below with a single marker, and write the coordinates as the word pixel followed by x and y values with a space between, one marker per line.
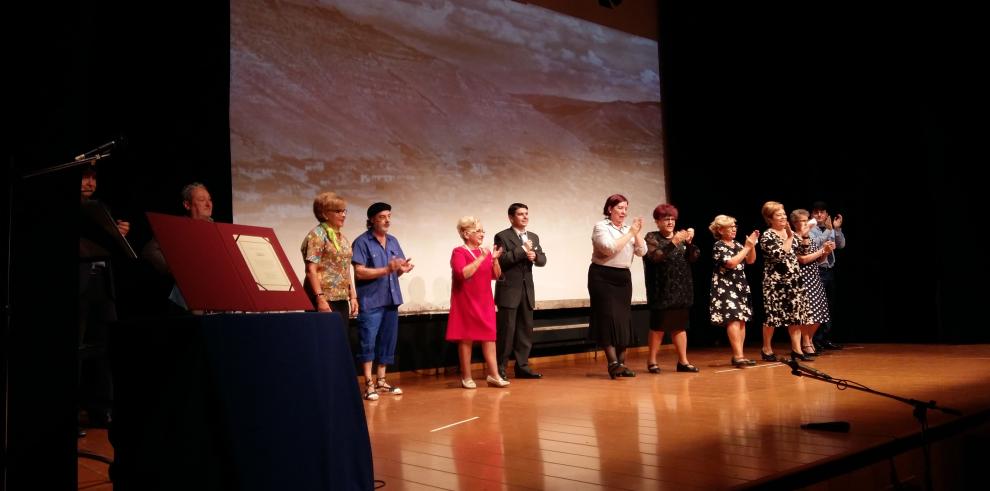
pixel 442 109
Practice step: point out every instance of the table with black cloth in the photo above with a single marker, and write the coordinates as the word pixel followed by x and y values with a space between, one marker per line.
pixel 237 401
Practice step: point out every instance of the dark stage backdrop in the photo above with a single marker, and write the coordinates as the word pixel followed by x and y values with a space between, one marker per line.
pixel 867 108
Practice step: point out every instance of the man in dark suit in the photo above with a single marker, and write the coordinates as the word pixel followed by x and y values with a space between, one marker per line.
pixel 514 292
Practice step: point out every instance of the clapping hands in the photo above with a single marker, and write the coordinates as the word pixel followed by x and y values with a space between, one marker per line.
pixel 530 251
pixel 752 238
pixel 400 265
pixel 636 226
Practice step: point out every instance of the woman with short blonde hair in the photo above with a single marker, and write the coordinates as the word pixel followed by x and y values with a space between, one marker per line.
pixel 729 303
pixel 327 255
pixel 472 305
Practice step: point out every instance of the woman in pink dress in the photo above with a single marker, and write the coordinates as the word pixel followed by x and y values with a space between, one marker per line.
pixel 472 306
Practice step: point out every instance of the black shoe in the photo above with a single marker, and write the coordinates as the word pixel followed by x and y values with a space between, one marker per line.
pixel 686 368
pixel 742 362
pixel 800 356
pixel 527 373
pixel 613 369
pixel 652 368
pixel 768 356
pixel 624 371
pixel 830 345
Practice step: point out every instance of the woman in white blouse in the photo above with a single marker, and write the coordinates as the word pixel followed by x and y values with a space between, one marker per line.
pixel 610 284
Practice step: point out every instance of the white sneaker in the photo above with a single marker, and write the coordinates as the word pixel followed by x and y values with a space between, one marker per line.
pixel 497 382
pixel 383 386
pixel 468 384
pixel 369 392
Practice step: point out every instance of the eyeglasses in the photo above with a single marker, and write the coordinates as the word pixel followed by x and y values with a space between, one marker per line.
pixel 340 212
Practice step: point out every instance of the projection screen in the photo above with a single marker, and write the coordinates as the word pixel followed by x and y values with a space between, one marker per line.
pixel 443 109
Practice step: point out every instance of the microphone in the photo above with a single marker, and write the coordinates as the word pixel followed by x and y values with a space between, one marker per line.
pixel 797 368
pixel 836 426
pixel 119 141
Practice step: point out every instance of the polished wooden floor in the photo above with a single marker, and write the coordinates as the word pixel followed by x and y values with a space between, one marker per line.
pixel 577 429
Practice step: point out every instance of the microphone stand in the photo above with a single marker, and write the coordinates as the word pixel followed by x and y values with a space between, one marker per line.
pixel 920 411
pixel 67 165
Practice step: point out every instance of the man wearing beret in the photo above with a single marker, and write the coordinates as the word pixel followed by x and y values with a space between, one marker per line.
pixel 378 262
pixel 514 293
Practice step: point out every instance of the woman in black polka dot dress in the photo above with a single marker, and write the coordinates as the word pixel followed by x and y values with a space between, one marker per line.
pixel 810 252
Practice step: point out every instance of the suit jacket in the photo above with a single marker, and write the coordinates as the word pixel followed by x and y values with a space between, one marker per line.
pixel 517 269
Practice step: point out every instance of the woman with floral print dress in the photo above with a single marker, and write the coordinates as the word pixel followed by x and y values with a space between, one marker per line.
pixel 729 304
pixel 784 303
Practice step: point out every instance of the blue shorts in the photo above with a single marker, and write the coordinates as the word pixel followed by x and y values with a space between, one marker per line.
pixel 378 329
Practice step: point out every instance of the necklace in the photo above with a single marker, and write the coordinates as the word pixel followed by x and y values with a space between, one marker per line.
pixel 470 251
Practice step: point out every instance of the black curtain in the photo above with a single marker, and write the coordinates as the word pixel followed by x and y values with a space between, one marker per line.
pixel 866 108
pixel 82 74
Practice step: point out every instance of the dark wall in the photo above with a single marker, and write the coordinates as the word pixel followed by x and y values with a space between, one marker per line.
pixel 81 74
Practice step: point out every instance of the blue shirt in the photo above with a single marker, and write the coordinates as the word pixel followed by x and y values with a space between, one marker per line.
pixel 822 235
pixel 368 252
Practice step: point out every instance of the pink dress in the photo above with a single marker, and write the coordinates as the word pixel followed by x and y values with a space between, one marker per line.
pixel 472 305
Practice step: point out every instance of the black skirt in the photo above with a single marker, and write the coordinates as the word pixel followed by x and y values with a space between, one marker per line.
pixel 669 319
pixel 611 306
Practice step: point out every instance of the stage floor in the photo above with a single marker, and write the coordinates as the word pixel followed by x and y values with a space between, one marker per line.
pixel 723 427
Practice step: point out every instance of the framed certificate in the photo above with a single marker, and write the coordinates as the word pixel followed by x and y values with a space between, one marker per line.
pixel 228 267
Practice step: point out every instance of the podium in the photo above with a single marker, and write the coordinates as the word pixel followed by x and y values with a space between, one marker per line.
pixel 255 401
pixel 238 401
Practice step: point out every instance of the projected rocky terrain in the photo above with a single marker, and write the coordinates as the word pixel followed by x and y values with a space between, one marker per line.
pixel 326 100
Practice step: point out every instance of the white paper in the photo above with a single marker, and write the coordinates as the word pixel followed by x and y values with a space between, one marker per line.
pixel 265 267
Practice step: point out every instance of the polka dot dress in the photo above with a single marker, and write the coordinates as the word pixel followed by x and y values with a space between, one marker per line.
pixel 814 291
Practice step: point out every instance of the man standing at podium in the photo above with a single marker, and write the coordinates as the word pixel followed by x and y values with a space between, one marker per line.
pixel 378 262
pixel 514 292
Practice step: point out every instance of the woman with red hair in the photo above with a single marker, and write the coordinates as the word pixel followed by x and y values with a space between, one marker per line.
pixel 669 286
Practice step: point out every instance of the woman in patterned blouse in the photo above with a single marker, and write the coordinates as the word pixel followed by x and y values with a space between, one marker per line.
pixel 327 254
pixel 730 303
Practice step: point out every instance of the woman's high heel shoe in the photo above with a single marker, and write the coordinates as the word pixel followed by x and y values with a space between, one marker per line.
pixel 800 356
pixel 809 350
